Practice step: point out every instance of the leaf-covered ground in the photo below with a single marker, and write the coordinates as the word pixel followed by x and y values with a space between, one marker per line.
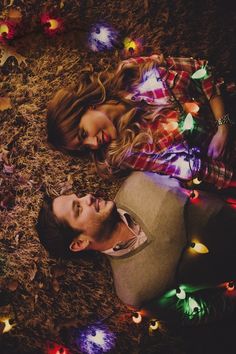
pixel 45 298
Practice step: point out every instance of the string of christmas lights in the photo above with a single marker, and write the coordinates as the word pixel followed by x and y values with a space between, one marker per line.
pixel 97 338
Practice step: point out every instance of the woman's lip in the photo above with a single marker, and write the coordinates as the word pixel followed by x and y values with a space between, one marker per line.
pixel 106 137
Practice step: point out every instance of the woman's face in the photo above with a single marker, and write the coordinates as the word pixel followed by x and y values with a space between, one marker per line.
pixel 95 130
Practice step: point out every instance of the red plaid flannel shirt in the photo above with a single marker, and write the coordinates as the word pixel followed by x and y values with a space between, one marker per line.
pixel 171 153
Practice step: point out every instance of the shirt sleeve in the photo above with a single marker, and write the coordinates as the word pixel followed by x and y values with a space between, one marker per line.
pixel 208 84
pixel 216 173
pixel 174 162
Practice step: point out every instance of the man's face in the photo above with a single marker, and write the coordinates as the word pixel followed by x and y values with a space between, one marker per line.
pixel 94 217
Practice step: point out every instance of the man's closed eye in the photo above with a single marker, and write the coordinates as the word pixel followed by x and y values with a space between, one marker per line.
pixel 77 208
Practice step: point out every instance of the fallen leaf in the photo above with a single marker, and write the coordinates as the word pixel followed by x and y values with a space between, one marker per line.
pixel 12 285
pixel 14 15
pixel 7 52
pixel 59 69
pixel 8 201
pixel 5 103
pixel 18 237
pixel 68 323
pixel 9 169
pixel 10 3
pixel 2 282
pixel 66 187
pixel 62 3
pixel 58 271
pixel 55 285
pixel 4 156
pixel 33 271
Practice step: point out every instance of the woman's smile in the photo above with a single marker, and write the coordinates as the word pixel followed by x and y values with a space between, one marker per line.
pixel 105 138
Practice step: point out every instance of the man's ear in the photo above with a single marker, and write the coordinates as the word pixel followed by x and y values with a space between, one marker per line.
pixel 80 243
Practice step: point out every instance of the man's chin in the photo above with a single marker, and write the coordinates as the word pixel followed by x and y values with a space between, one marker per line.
pixel 110 221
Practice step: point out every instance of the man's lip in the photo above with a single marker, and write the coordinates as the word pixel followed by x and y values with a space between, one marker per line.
pixel 97 205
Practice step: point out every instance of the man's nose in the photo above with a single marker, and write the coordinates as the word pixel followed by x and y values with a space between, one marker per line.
pixel 90 199
pixel 91 141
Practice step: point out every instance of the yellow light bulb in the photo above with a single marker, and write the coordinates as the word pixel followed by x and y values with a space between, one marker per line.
pixel 129 43
pixel 137 317
pixel 4 29
pixel 53 24
pixel 8 326
pixel 153 326
pixel 199 247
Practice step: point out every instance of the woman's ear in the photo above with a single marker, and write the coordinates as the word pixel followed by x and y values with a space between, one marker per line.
pixel 80 243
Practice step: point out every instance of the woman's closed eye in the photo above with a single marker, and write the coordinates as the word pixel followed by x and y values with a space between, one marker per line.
pixel 82 134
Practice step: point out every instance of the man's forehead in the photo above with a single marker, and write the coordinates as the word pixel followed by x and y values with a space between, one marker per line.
pixel 62 205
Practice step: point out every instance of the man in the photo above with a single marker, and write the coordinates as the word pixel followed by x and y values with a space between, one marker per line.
pixel 147 233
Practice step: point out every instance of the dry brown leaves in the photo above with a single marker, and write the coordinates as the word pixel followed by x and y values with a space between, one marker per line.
pixel 14 15
pixel 5 103
pixel 7 52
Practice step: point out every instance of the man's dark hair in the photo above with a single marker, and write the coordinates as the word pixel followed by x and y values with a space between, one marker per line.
pixel 55 235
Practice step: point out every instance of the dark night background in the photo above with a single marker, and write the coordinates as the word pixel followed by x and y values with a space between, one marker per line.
pixel 45 297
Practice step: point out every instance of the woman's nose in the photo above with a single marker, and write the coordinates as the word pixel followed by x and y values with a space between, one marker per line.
pixel 91 142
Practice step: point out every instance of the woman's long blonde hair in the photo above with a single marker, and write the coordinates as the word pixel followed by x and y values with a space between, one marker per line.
pixel 68 105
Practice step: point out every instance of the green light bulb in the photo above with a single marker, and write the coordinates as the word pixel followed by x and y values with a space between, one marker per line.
pixel 188 122
pixel 199 74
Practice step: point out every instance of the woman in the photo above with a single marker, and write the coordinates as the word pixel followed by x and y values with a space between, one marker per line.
pixel 133 119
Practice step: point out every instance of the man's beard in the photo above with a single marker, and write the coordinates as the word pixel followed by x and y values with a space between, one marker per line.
pixel 108 226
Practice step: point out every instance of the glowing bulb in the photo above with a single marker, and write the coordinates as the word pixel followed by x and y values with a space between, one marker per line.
pixel 197 181
pixel 193 305
pixel 53 24
pixel 8 326
pixel 180 293
pixel 188 122
pixel 137 317
pixel 4 29
pixel 199 247
pixel 199 74
pixel 194 194
pixel 191 107
pixel 129 44
pixel 230 286
pixel 151 81
pixel 153 325
pixel 102 37
pixel 61 351
pixel 97 337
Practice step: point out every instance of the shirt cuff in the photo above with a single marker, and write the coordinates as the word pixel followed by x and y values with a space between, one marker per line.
pixel 216 173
